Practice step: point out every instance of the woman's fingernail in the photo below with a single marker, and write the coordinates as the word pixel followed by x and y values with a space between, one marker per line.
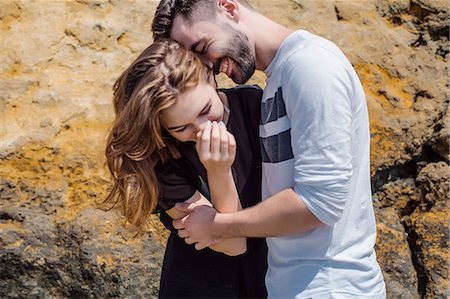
pixel 208 123
pixel 221 123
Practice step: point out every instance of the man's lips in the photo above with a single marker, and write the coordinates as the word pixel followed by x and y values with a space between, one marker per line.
pixel 223 66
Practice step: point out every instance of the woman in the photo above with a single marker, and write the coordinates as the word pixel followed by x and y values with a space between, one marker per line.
pixel 172 141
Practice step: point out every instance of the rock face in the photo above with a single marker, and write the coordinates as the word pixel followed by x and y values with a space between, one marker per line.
pixel 57 67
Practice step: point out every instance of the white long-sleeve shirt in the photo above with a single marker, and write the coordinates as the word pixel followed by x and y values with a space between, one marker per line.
pixel 315 139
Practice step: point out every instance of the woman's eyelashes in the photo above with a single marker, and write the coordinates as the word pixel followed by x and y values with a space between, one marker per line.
pixel 180 129
pixel 206 111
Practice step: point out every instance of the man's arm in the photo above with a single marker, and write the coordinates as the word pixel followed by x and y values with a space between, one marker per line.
pixel 280 215
pixel 230 247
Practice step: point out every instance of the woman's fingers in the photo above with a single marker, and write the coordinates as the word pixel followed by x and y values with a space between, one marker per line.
pixel 215 140
pixel 231 145
pixel 198 141
pixel 204 141
pixel 215 144
pixel 224 151
pixel 189 241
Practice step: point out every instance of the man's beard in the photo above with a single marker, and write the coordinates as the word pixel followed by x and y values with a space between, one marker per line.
pixel 239 53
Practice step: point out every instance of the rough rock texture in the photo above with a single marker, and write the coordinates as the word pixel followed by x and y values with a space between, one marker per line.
pixel 57 66
pixel 428 230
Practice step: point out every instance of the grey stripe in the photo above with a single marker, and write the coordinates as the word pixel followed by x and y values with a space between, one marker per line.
pixel 273 108
pixel 277 148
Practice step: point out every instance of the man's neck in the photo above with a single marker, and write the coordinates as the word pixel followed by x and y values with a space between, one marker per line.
pixel 268 36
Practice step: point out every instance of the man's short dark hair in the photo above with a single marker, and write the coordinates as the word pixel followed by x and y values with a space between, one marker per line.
pixel 168 9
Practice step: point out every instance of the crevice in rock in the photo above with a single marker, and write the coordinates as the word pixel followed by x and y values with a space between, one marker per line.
pixel 388 174
pixel 297 3
pixel 338 16
pixel 5 216
pixel 438 33
pixel 422 94
pixel 409 208
pixel 417 257
pixel 428 155
pixel 419 11
pixel 442 52
pixel 411 169
pixel 420 41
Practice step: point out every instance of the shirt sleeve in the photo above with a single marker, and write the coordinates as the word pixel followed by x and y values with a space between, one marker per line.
pixel 317 89
pixel 175 184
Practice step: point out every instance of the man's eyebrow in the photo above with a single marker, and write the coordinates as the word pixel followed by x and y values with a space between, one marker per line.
pixel 195 45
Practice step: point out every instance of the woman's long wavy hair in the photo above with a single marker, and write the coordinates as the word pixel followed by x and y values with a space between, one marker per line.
pixel 138 140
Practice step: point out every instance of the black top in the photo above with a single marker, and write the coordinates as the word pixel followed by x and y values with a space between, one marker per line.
pixel 187 272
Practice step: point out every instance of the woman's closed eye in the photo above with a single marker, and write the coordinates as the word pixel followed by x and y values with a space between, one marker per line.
pixel 203 113
pixel 206 111
pixel 180 129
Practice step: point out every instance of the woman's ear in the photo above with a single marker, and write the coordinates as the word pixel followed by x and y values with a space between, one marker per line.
pixel 229 7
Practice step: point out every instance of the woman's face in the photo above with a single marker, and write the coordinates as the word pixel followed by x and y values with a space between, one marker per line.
pixel 192 109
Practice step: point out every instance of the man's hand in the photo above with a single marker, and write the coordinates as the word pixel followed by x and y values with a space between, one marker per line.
pixel 199 226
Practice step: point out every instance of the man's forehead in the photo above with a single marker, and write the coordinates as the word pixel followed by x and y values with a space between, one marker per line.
pixel 186 33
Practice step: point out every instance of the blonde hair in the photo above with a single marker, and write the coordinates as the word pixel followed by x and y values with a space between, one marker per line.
pixel 138 140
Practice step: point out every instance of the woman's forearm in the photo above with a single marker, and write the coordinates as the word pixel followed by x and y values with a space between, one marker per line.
pixel 224 195
pixel 225 199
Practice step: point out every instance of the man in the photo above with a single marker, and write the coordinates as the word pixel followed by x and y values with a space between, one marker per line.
pixel 316 211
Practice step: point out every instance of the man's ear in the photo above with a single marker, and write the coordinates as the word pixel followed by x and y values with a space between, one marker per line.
pixel 230 8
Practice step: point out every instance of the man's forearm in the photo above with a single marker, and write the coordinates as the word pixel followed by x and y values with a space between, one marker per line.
pixel 280 215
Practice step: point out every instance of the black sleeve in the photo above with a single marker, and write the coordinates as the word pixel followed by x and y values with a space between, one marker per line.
pixel 175 184
pixel 251 96
pixel 250 101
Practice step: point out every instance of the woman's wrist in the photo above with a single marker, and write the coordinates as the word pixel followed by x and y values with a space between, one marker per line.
pixel 220 174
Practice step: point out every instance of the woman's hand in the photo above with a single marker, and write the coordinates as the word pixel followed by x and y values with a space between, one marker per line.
pixel 216 148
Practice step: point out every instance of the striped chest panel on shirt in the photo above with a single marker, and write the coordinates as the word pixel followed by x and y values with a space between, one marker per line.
pixel 275 130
